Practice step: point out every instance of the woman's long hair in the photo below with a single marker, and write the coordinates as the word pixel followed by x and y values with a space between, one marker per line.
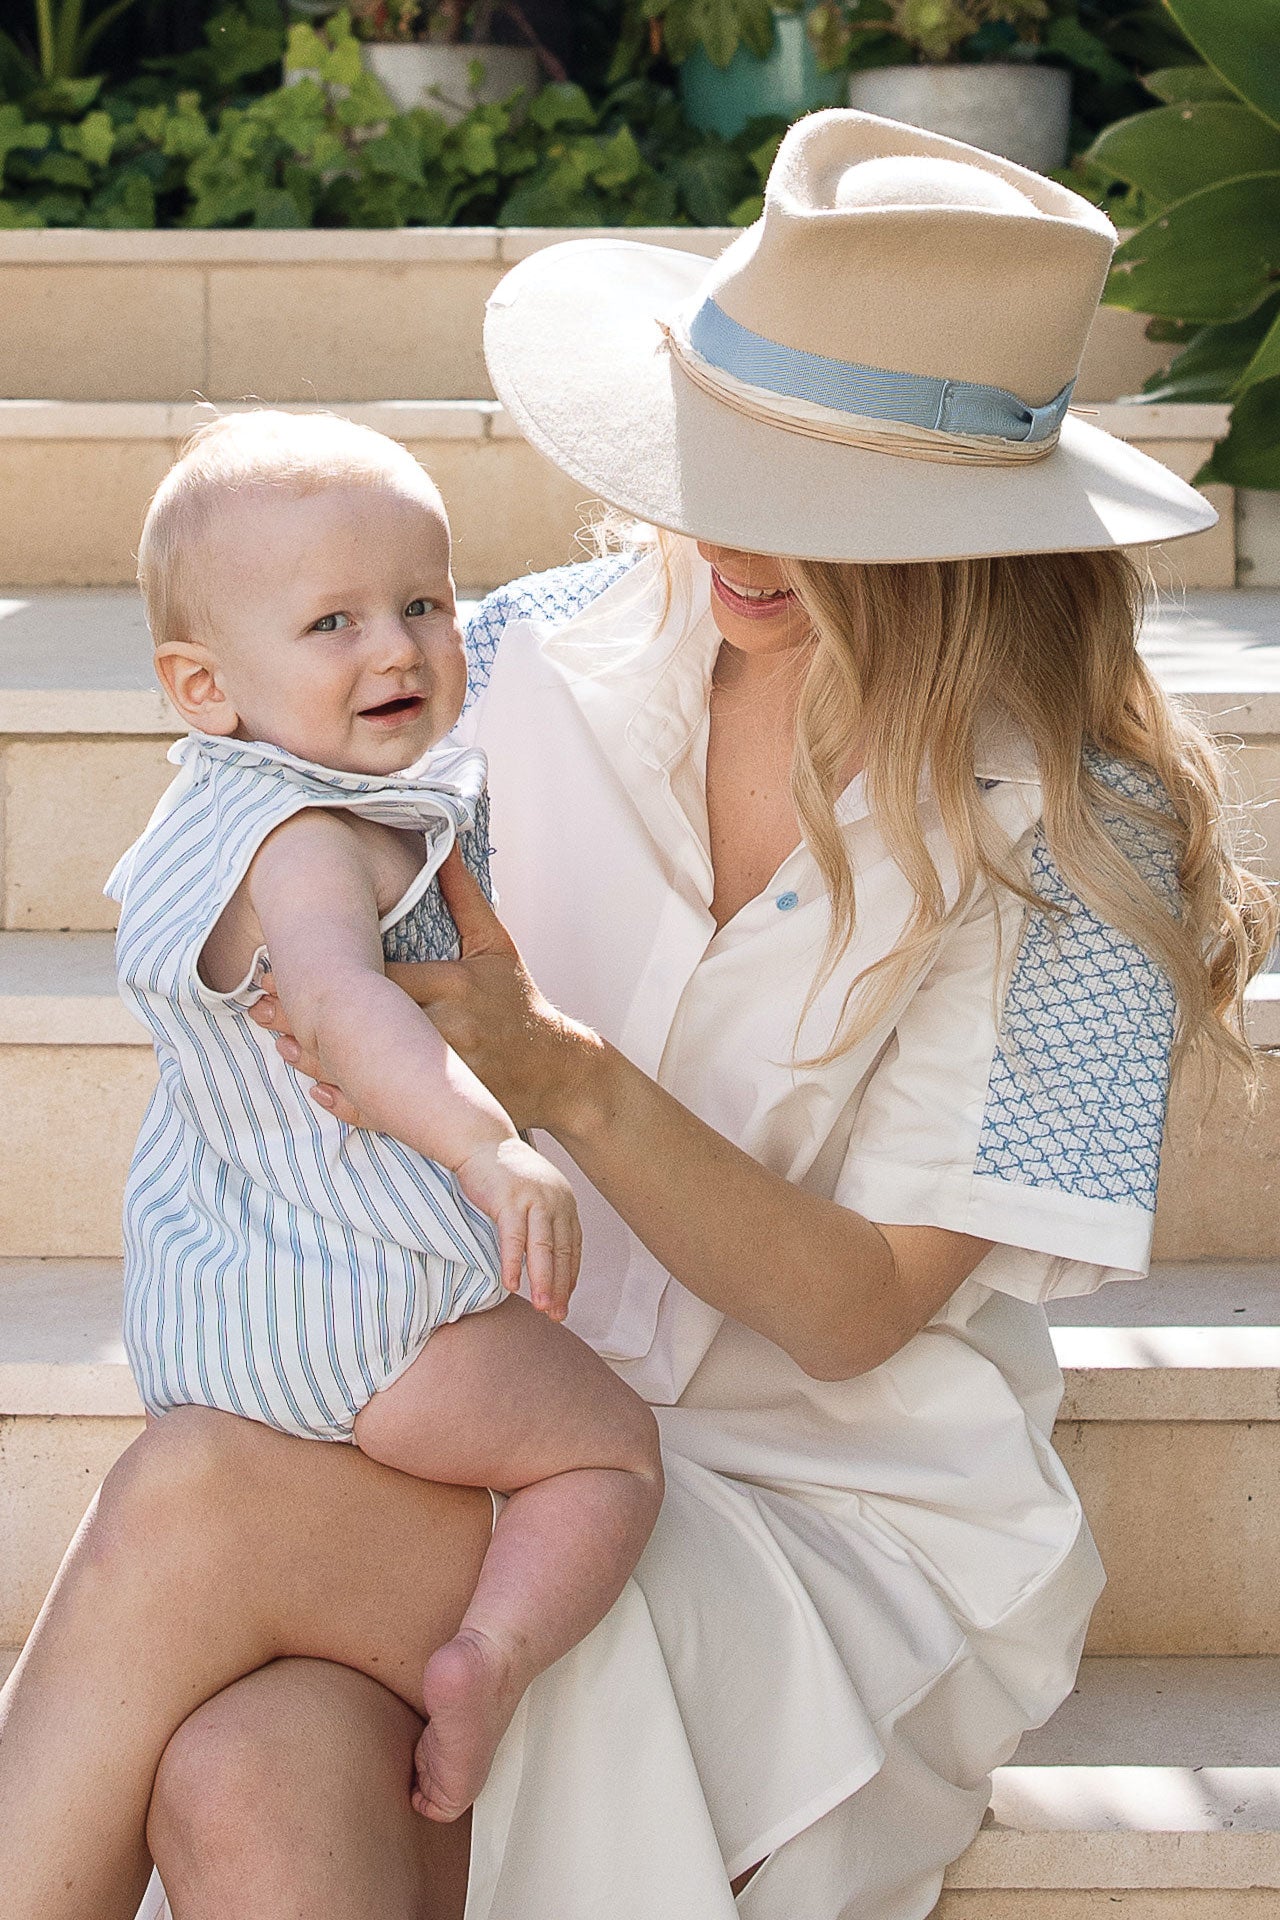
pixel 911 659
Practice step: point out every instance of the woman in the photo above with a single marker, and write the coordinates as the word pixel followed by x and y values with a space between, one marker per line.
pixel 870 865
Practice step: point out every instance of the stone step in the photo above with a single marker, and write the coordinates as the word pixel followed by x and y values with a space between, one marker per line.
pixel 228 314
pixel 75 477
pixel 1170 1428
pixel 1152 1794
pixel 84 730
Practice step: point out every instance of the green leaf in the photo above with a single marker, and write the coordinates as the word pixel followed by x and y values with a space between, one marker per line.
pixel 67 99
pixel 129 201
pixel 475 147
pixel 18 132
pixel 305 51
pixel 62 170
pixel 1212 362
pixel 1240 39
pixel 1212 256
pixel 1171 152
pixel 187 132
pixel 344 63
pixel 619 162
pixel 397 152
pixel 711 181
pixel 720 27
pixel 747 211
pixel 94 138
pixel 561 105
pixel 238 45
pixel 1265 364
pixel 1250 454
pixel 13 217
pixel 277 208
pixel 1083 49
pixel 763 156
pixel 367 102
pixel 1176 84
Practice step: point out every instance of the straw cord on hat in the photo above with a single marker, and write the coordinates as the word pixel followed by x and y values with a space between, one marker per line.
pixel 899 437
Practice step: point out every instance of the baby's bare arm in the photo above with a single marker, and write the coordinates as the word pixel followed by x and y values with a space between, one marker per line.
pixel 313 888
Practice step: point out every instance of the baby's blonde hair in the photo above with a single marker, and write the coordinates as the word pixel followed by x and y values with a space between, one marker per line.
pixel 261 448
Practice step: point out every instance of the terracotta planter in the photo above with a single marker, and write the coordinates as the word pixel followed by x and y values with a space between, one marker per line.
pixel 426 75
pixel 1020 111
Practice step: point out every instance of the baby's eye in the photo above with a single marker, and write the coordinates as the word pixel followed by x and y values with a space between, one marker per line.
pixel 416 609
pixel 331 622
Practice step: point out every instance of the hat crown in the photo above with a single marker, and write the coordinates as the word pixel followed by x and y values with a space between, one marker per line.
pixel 881 245
pixel 925 180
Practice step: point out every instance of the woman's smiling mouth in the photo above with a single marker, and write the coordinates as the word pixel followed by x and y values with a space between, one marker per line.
pixel 750 603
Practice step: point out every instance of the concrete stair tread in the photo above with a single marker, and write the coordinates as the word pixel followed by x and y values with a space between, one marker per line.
pixel 1195 1340
pixel 61 1350
pixel 1153 1773
pixel 78 660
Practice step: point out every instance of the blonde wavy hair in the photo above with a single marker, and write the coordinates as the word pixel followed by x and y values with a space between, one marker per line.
pixel 911 658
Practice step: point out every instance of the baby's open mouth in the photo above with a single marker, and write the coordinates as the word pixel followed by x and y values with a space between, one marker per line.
pixel 402 707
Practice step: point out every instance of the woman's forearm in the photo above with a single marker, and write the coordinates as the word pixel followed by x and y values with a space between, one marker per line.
pixel 815 1278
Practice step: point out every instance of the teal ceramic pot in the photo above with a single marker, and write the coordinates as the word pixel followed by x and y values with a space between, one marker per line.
pixel 788 83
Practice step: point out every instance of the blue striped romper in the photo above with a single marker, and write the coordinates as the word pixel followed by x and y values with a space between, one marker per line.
pixel 279 1264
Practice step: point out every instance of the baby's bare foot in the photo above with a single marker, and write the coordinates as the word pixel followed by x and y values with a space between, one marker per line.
pixel 471 1692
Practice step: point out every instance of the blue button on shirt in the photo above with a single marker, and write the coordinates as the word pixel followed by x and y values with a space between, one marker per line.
pixel 786 901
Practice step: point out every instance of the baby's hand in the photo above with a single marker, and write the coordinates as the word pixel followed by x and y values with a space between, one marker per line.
pixel 536 1216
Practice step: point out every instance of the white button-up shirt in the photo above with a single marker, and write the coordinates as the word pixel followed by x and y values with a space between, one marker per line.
pixel 1015 1090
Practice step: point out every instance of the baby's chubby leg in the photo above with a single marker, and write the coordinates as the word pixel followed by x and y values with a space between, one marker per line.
pixel 509 1400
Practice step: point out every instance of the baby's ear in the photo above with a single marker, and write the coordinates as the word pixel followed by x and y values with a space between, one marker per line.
pixel 192 679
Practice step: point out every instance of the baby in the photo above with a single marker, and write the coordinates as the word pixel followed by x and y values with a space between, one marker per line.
pixel 344 1283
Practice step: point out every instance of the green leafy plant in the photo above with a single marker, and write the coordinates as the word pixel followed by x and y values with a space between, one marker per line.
pixel 448 23
pixel 1106 43
pixel 1206 262
pixel 64 37
pixel 935 30
pixel 330 150
pixel 677 28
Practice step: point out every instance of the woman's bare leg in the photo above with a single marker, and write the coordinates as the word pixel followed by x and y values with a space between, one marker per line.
pixel 288 1795
pixel 216 1546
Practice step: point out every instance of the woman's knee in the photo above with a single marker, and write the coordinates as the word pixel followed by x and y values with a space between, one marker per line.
pixel 273 1766
pixel 211 1798
pixel 188 1471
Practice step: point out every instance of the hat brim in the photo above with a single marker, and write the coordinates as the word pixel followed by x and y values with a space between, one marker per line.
pixel 578 360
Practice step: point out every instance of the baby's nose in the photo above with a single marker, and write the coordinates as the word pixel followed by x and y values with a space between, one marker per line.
pixel 398 646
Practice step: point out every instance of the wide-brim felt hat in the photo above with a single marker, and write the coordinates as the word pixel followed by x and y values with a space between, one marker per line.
pixel 879 369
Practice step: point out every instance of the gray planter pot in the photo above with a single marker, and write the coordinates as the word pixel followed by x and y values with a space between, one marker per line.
pixel 439 77
pixel 1021 111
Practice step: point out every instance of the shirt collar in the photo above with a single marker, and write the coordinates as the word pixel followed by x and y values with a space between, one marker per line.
pixel 639 660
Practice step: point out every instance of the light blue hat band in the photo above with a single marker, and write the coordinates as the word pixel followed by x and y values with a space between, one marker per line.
pixel 877 393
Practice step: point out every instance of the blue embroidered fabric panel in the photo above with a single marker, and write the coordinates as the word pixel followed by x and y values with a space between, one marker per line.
pixel 427 931
pixel 555 596
pixel 1078 1085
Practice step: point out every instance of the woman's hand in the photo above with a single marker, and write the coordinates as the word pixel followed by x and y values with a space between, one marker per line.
pixel 531 1057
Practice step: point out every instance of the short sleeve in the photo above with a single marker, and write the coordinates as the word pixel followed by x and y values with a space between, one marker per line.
pixel 1031 1117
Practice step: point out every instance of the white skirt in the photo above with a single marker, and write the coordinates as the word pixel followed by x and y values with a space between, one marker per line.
pixel 779 1682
